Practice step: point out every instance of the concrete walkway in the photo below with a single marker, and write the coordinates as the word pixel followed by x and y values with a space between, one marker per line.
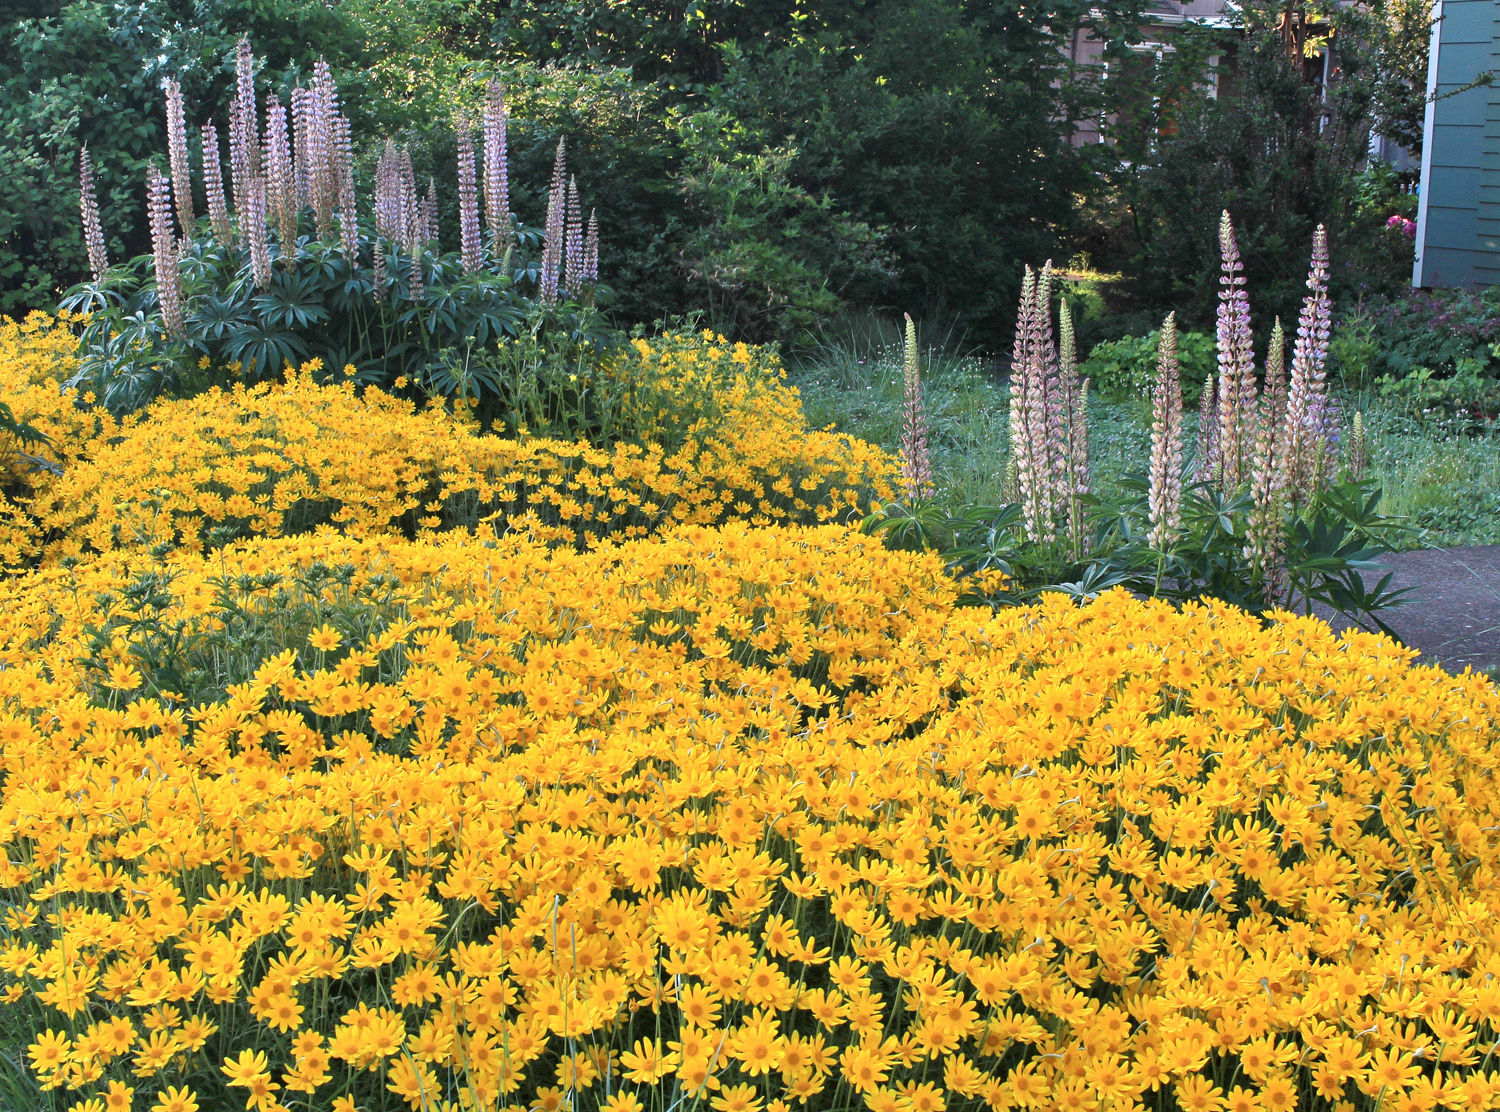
pixel 1453 616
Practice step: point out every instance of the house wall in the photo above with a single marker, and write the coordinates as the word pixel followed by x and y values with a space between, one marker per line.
pixel 1458 213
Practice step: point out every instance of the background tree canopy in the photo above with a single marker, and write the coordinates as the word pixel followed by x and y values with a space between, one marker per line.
pixel 769 164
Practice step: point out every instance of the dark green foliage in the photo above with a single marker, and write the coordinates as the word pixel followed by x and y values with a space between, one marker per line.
pixel 315 307
pixel 89 73
pixel 1126 368
pixel 1330 547
pixel 1277 156
pixel 1436 329
pixel 894 152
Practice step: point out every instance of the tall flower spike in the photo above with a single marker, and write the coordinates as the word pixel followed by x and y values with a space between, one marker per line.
pixel 1236 363
pixel 916 464
pixel 322 176
pixel 411 209
pixel 164 250
pixel 1026 467
pixel 301 136
pixel 88 210
pixel 496 173
pixel 430 212
pixel 213 186
pixel 177 154
pixel 1073 471
pixel 343 145
pixel 573 242
pixel 591 257
pixel 1165 497
pixel 244 130
pixel 281 181
pixel 253 231
pixel 554 229
pixel 468 201
pixel 1306 436
pixel 1263 529
pixel 1043 409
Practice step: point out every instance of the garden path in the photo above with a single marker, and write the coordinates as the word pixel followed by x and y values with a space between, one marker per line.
pixel 1453 616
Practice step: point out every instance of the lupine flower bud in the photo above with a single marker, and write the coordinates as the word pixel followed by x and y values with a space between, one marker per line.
pixel 177 154
pixel 916 464
pixel 1165 496
pixel 213 183
pixel 1275 389
pixel 88 207
pixel 1210 465
pixel 164 250
pixel 496 174
pixel 1359 450
pixel 468 201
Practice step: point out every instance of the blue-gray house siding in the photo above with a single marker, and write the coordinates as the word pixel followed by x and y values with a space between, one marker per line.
pixel 1458 214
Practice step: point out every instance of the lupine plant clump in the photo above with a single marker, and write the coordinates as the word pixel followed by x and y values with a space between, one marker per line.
pixel 282 269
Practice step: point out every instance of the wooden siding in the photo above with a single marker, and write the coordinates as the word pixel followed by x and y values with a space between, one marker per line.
pixel 1459 230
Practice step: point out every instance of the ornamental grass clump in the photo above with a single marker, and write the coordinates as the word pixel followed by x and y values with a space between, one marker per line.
pixel 739 818
pixel 282 271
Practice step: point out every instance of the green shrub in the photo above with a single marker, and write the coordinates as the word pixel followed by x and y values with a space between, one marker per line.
pixel 1125 368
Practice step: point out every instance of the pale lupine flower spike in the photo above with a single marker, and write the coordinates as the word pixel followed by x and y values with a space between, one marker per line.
pixel 244 135
pixel 916 464
pixel 1035 414
pixel 1165 495
pixel 164 250
pixel 177 156
pixel 554 228
pixel 1073 471
pixel 343 145
pixel 213 186
pixel 253 231
pixel 88 209
pixel 430 213
pixel 469 238
pixel 1305 433
pixel 1237 392
pixel 1042 411
pixel 572 271
pixel 591 258
pixel 281 181
pixel 496 174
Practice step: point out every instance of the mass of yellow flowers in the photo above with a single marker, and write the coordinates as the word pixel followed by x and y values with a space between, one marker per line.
pixel 363 811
